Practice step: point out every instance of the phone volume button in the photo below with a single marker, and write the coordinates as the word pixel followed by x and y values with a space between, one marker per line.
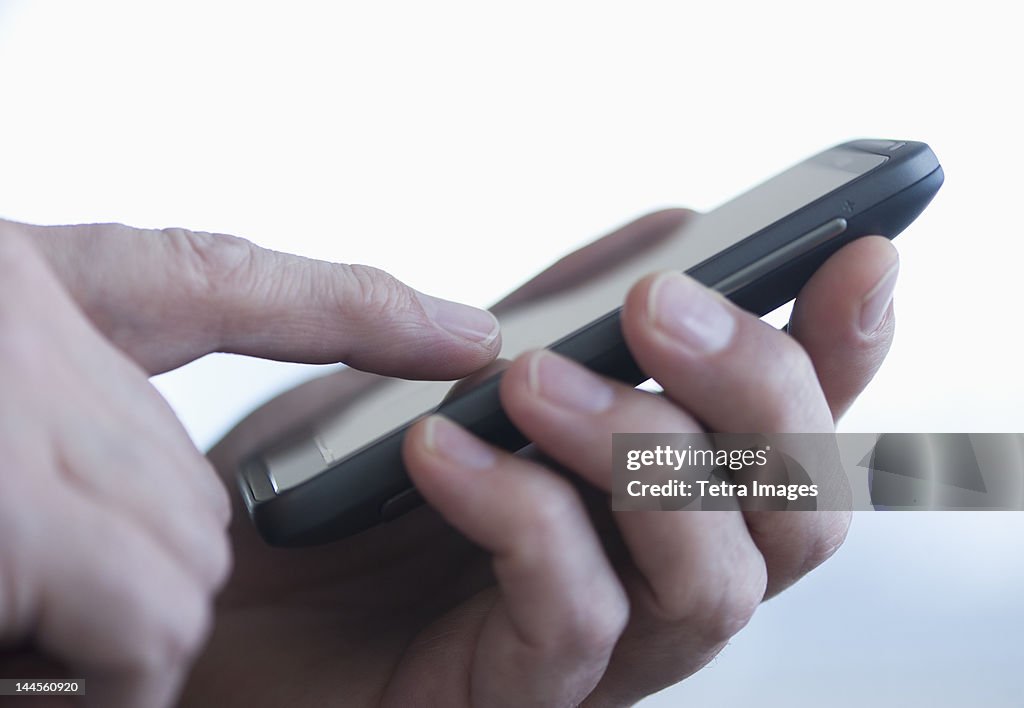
pixel 792 250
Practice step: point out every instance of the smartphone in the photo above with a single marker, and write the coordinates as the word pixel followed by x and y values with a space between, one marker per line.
pixel 344 474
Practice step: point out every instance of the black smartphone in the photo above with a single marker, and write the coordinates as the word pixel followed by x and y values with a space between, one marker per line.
pixel 344 474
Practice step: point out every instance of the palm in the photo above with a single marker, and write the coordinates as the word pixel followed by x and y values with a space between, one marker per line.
pixel 337 620
pixel 355 620
pixel 393 614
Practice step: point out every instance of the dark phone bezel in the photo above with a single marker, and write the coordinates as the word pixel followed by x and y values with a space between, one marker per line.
pixel 370 485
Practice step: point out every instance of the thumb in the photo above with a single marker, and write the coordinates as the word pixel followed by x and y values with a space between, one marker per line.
pixel 168 296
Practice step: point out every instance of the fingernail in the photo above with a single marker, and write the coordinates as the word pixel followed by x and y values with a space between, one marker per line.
pixel 689 313
pixel 461 320
pixel 567 385
pixel 450 442
pixel 876 303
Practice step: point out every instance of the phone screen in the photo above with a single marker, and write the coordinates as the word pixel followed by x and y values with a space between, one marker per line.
pixel 544 321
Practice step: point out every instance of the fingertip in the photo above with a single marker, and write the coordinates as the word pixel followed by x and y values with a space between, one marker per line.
pixel 429 474
pixel 870 260
pixel 417 446
pixel 671 312
pixel 855 267
pixel 442 456
pixel 635 307
pixel 844 318
pixel 358 315
pixel 463 479
pixel 445 340
pixel 465 322
pixel 849 297
pixel 454 445
pixel 876 305
pixel 515 380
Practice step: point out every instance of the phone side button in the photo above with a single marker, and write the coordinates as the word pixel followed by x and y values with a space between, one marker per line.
pixel 792 250
pixel 399 504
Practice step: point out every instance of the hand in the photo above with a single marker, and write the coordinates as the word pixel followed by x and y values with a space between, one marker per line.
pixel 112 522
pixel 518 587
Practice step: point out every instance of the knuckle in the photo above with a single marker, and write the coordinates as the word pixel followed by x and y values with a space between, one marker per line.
pixel 794 361
pixel 178 629
pixel 729 611
pixel 793 382
pixel 216 497
pixel 715 616
pixel 595 626
pixel 551 501
pixel 102 231
pixel 831 537
pixel 168 610
pixel 220 503
pixel 590 624
pixel 220 561
pixel 368 293
pixel 734 613
pixel 215 263
pixel 716 608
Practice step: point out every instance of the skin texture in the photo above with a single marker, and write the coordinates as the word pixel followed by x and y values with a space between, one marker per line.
pixel 113 524
pixel 517 586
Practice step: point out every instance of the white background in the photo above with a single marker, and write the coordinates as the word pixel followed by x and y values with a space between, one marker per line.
pixel 463 146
